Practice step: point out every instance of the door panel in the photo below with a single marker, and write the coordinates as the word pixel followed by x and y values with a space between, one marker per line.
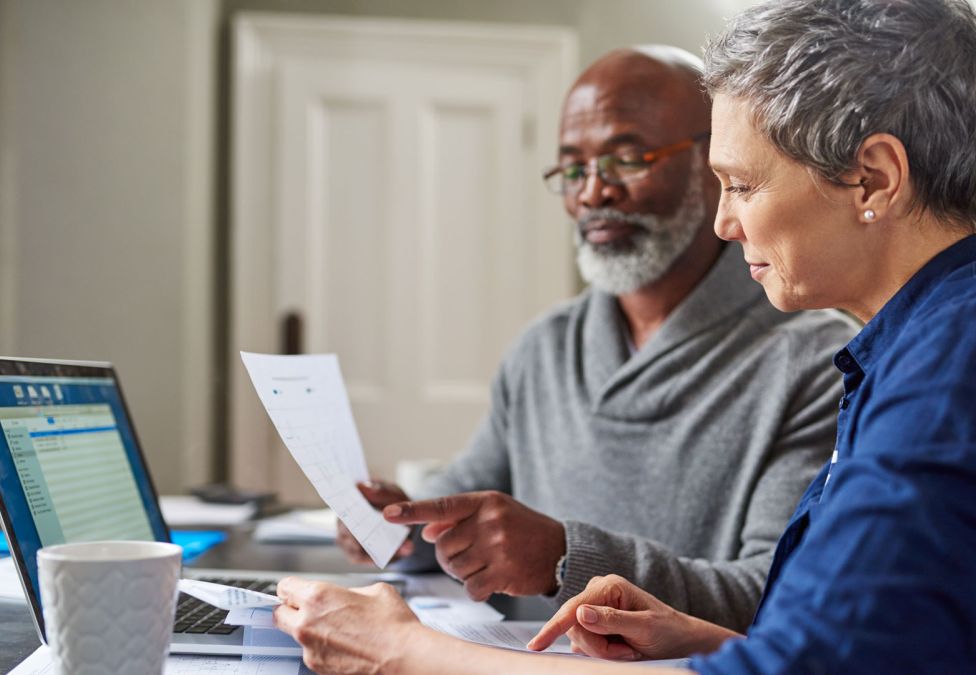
pixel 389 193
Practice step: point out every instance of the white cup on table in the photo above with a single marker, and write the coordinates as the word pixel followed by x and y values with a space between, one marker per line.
pixel 411 474
pixel 109 605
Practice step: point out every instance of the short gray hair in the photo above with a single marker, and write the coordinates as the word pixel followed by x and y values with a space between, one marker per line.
pixel 823 75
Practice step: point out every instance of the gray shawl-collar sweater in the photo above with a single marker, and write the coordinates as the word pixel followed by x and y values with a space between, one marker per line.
pixel 676 467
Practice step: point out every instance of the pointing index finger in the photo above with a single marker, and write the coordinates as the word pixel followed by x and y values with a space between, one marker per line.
pixel 561 621
pixel 452 508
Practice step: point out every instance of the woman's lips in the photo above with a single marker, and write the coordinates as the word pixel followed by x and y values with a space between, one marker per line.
pixel 758 269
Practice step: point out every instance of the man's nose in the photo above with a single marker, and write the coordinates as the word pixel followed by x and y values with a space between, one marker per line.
pixel 597 193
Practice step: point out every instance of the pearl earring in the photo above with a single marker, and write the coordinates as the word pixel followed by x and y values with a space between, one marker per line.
pixel 870 214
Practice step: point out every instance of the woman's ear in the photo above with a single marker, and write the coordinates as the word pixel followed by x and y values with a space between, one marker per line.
pixel 881 177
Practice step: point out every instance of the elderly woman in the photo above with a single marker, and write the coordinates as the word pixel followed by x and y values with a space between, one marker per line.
pixel 844 136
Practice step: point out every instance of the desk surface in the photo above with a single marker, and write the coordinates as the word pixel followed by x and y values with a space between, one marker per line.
pixel 18 638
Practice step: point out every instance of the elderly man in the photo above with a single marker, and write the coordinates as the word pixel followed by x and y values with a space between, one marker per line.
pixel 661 425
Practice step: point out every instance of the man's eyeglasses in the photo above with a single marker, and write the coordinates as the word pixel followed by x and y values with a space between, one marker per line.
pixel 615 169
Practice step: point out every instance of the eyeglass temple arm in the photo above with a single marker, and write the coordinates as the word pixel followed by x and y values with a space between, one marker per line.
pixel 654 155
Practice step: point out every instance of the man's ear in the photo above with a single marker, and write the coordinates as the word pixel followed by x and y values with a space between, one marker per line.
pixel 881 177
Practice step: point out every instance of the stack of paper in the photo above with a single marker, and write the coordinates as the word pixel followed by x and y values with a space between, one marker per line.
pixel 179 510
pixel 302 526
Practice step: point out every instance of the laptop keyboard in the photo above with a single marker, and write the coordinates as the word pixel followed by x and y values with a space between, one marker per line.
pixel 196 616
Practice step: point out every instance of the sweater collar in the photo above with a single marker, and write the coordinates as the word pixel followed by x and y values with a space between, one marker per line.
pixel 725 290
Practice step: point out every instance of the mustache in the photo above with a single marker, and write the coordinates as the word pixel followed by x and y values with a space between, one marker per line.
pixel 643 221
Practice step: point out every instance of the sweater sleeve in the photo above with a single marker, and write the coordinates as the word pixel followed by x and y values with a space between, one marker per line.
pixel 727 592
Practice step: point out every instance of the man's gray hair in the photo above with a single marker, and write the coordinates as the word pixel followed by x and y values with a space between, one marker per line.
pixel 823 75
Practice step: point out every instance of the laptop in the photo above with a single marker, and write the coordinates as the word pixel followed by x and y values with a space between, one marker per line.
pixel 71 469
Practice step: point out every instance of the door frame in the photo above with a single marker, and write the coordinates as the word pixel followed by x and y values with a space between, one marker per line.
pixel 263 43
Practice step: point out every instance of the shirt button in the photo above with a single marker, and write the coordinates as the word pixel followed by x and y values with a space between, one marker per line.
pixel 844 403
pixel 844 360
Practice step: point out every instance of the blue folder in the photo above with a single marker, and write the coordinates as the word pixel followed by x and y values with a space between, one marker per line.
pixel 194 542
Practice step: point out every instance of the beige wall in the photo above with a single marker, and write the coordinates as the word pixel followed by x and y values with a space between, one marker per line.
pixel 8 276
pixel 111 198
pixel 106 142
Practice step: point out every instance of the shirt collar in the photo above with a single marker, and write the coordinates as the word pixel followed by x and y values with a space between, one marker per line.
pixel 880 333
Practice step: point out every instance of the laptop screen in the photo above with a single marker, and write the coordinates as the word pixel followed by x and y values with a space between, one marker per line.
pixel 70 465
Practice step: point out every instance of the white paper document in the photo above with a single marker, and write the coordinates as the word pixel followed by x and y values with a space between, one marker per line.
pixel 433 609
pixel 226 597
pixel 439 598
pixel 10 588
pixel 231 665
pixel 307 402
pixel 259 617
pixel 506 634
pixel 39 663
pixel 42 663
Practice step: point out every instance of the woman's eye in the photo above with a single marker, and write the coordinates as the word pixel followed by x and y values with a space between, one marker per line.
pixel 736 189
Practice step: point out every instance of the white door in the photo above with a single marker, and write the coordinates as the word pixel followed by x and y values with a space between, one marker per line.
pixel 387 193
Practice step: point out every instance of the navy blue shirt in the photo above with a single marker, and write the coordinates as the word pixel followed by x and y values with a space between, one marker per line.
pixel 876 571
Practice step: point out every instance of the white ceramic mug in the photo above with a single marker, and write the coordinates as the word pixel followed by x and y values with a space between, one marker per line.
pixel 411 474
pixel 109 605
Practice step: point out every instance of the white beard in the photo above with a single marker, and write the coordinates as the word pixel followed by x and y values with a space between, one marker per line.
pixel 652 250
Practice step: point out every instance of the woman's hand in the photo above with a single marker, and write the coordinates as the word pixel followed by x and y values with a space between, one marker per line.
pixel 344 630
pixel 614 619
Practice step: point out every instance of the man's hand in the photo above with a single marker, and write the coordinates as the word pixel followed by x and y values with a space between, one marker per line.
pixel 614 619
pixel 344 630
pixel 379 494
pixel 489 541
